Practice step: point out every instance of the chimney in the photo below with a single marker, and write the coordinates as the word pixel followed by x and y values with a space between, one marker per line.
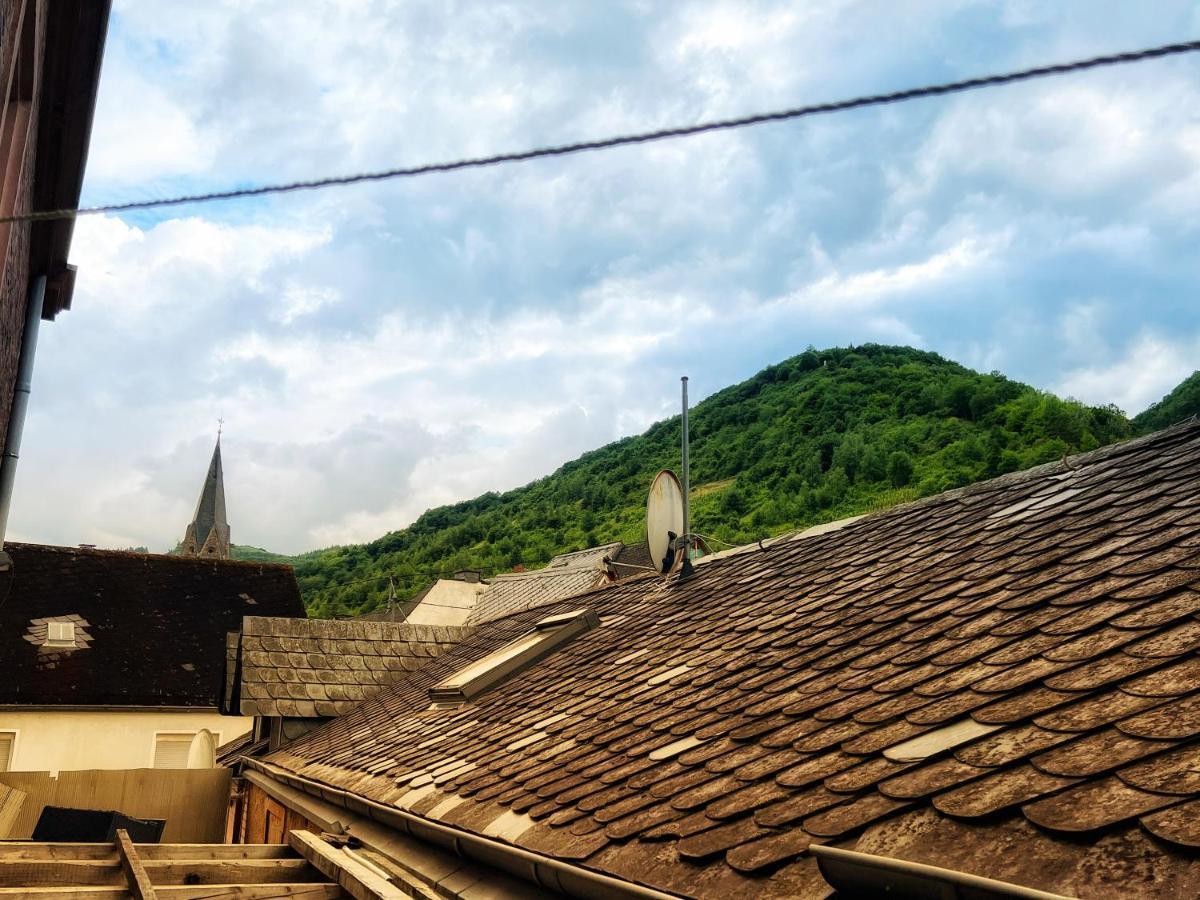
pixel 471 576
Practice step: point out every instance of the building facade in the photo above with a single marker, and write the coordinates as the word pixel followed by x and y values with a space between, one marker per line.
pixel 115 660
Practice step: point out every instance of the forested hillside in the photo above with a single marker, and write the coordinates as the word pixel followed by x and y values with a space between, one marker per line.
pixel 822 435
pixel 1180 404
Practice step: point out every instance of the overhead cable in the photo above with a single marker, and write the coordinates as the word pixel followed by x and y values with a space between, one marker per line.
pixel 936 90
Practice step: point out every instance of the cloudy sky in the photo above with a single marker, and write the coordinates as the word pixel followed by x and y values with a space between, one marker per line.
pixel 380 349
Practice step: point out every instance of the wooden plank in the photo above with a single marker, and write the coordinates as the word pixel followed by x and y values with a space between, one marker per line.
pixel 252 892
pixel 192 801
pixel 54 850
pixel 214 851
pixel 229 871
pixel 357 880
pixel 39 788
pixel 38 873
pixel 72 893
pixel 11 802
pixel 139 881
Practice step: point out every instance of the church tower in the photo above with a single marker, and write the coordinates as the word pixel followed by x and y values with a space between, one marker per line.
pixel 208 534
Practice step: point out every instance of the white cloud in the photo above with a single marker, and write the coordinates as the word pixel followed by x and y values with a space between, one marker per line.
pixel 382 348
pixel 1149 368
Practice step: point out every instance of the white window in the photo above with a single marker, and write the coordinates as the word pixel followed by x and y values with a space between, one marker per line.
pixel 8 743
pixel 171 749
pixel 60 634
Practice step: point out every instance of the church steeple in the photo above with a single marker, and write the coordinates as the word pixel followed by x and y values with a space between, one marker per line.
pixel 208 534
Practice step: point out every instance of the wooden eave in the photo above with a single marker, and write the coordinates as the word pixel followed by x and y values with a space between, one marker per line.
pixel 74 47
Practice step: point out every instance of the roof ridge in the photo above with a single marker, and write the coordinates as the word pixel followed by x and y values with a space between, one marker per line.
pixel 136 554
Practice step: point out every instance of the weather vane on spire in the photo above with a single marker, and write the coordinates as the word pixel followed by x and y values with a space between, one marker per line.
pixel 220 426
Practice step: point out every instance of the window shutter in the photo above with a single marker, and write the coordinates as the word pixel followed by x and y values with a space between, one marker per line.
pixel 171 750
pixel 7 740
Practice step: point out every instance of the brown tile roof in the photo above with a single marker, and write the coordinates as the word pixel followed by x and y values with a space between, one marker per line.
pixel 310 668
pixel 565 575
pixel 150 629
pixel 229 752
pixel 633 559
pixel 1001 679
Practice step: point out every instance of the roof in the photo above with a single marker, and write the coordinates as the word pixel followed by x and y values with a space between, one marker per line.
pixel 632 559
pixel 565 575
pixel 1002 679
pixel 229 752
pixel 74 46
pixel 448 601
pixel 150 628
pixel 210 509
pixel 307 668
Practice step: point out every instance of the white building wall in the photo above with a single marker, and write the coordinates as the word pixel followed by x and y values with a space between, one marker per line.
pixel 57 741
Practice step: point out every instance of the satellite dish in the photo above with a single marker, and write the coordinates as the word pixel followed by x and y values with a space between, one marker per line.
pixel 203 752
pixel 664 514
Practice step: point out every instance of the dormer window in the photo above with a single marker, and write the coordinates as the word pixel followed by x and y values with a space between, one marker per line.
pixel 60 634
pixel 515 657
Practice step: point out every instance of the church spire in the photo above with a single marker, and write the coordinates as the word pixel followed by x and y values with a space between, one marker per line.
pixel 208 533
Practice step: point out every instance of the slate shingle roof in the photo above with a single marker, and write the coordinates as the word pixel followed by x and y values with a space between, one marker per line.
pixel 565 575
pixel 633 559
pixel 151 628
pixel 1002 679
pixel 318 667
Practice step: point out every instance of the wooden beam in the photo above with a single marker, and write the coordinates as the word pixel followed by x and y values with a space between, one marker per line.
pixel 179 852
pixel 228 871
pixel 139 882
pixel 188 892
pixel 357 880
pixel 75 892
pixel 31 850
pixel 252 892
pixel 66 872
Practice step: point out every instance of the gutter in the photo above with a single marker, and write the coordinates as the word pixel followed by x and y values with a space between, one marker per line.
pixel 538 868
pixel 20 406
pixel 854 874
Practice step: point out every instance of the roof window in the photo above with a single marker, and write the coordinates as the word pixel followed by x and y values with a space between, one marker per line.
pixel 60 634
pixel 515 657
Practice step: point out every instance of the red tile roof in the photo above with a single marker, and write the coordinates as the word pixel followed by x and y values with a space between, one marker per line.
pixel 1000 679
pixel 151 629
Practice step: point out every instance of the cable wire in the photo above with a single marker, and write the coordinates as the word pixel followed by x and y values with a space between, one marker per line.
pixel 936 90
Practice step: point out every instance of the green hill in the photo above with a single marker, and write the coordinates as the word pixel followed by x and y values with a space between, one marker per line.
pixel 1180 404
pixel 822 435
pixel 258 554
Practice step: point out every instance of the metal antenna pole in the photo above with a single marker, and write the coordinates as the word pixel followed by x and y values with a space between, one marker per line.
pixel 686 497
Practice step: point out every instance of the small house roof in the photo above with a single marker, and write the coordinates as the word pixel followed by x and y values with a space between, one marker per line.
pixel 308 668
pixel 149 629
pixel 565 575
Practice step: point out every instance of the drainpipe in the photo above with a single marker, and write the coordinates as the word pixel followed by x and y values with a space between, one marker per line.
pixel 20 405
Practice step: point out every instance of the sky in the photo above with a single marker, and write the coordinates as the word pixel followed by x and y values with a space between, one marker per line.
pixel 380 349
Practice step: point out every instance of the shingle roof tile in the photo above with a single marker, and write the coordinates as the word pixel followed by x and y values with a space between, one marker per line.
pixel 152 630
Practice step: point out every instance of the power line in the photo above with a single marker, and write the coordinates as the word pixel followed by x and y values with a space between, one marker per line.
pixel 936 90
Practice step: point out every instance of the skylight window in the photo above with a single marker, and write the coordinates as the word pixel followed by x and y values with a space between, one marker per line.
pixel 60 634
pixel 514 657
